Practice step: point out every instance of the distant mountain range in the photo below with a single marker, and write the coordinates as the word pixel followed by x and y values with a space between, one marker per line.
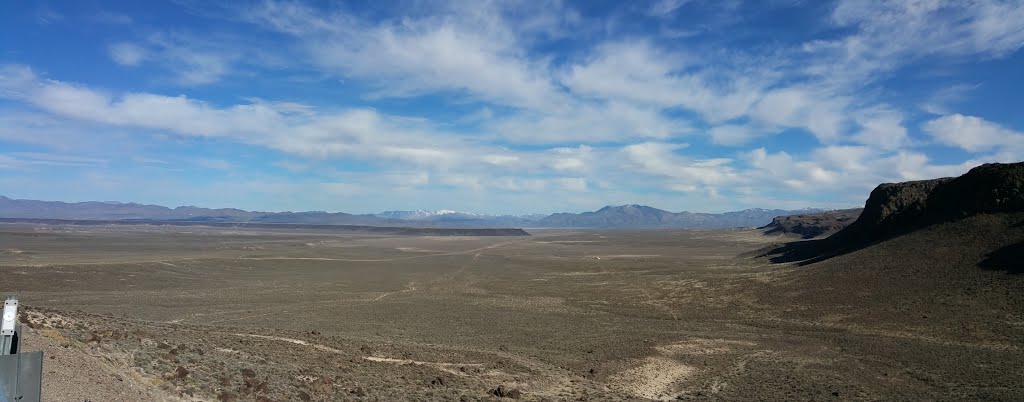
pixel 95 210
pixel 623 216
pixel 642 216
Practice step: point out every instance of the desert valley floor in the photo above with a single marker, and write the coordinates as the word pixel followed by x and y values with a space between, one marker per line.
pixel 201 313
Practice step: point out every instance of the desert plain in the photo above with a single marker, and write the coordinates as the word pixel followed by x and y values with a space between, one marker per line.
pixel 149 312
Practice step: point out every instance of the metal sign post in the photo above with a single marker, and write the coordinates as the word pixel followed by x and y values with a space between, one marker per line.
pixel 21 374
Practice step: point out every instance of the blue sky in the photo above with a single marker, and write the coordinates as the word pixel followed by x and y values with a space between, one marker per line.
pixel 502 106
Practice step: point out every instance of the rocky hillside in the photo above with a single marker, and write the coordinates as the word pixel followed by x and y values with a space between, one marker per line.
pixel 814 225
pixel 894 209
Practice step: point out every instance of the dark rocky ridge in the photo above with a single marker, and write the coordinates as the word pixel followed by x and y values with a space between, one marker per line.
pixel 895 209
pixel 812 225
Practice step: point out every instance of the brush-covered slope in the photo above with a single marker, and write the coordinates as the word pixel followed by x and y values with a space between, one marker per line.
pixel 928 279
pixel 943 305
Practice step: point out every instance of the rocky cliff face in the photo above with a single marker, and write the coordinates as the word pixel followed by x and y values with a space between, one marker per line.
pixel 989 188
pixel 896 208
pixel 893 207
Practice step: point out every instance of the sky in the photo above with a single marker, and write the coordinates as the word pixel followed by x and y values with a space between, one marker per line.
pixel 503 107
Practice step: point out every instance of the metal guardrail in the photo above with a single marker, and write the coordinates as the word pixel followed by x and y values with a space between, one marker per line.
pixel 21 374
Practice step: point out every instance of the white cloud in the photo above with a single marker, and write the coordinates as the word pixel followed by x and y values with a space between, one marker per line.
pixel 281 126
pixel 299 130
pixel 637 72
pixel 661 159
pixel 820 114
pixel 480 52
pixel 973 134
pixel 733 134
pixel 474 51
pixel 127 54
pixel 844 172
pixel 844 158
pixel 501 160
pixel 882 128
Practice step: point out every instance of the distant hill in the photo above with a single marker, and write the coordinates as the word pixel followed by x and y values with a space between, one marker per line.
pixel 94 210
pixel 812 225
pixel 642 216
pixel 623 216
pixel 10 208
pixel 896 209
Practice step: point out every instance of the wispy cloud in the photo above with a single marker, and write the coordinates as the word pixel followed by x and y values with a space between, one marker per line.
pixel 47 16
pixel 662 8
pixel 891 34
pixel 188 59
pixel 127 54
pixel 13 160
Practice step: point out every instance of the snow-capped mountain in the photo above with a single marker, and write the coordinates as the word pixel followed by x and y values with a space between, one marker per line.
pixel 447 217
pixel 421 214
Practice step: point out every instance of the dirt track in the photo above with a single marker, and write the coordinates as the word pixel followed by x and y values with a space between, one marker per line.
pixel 208 313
